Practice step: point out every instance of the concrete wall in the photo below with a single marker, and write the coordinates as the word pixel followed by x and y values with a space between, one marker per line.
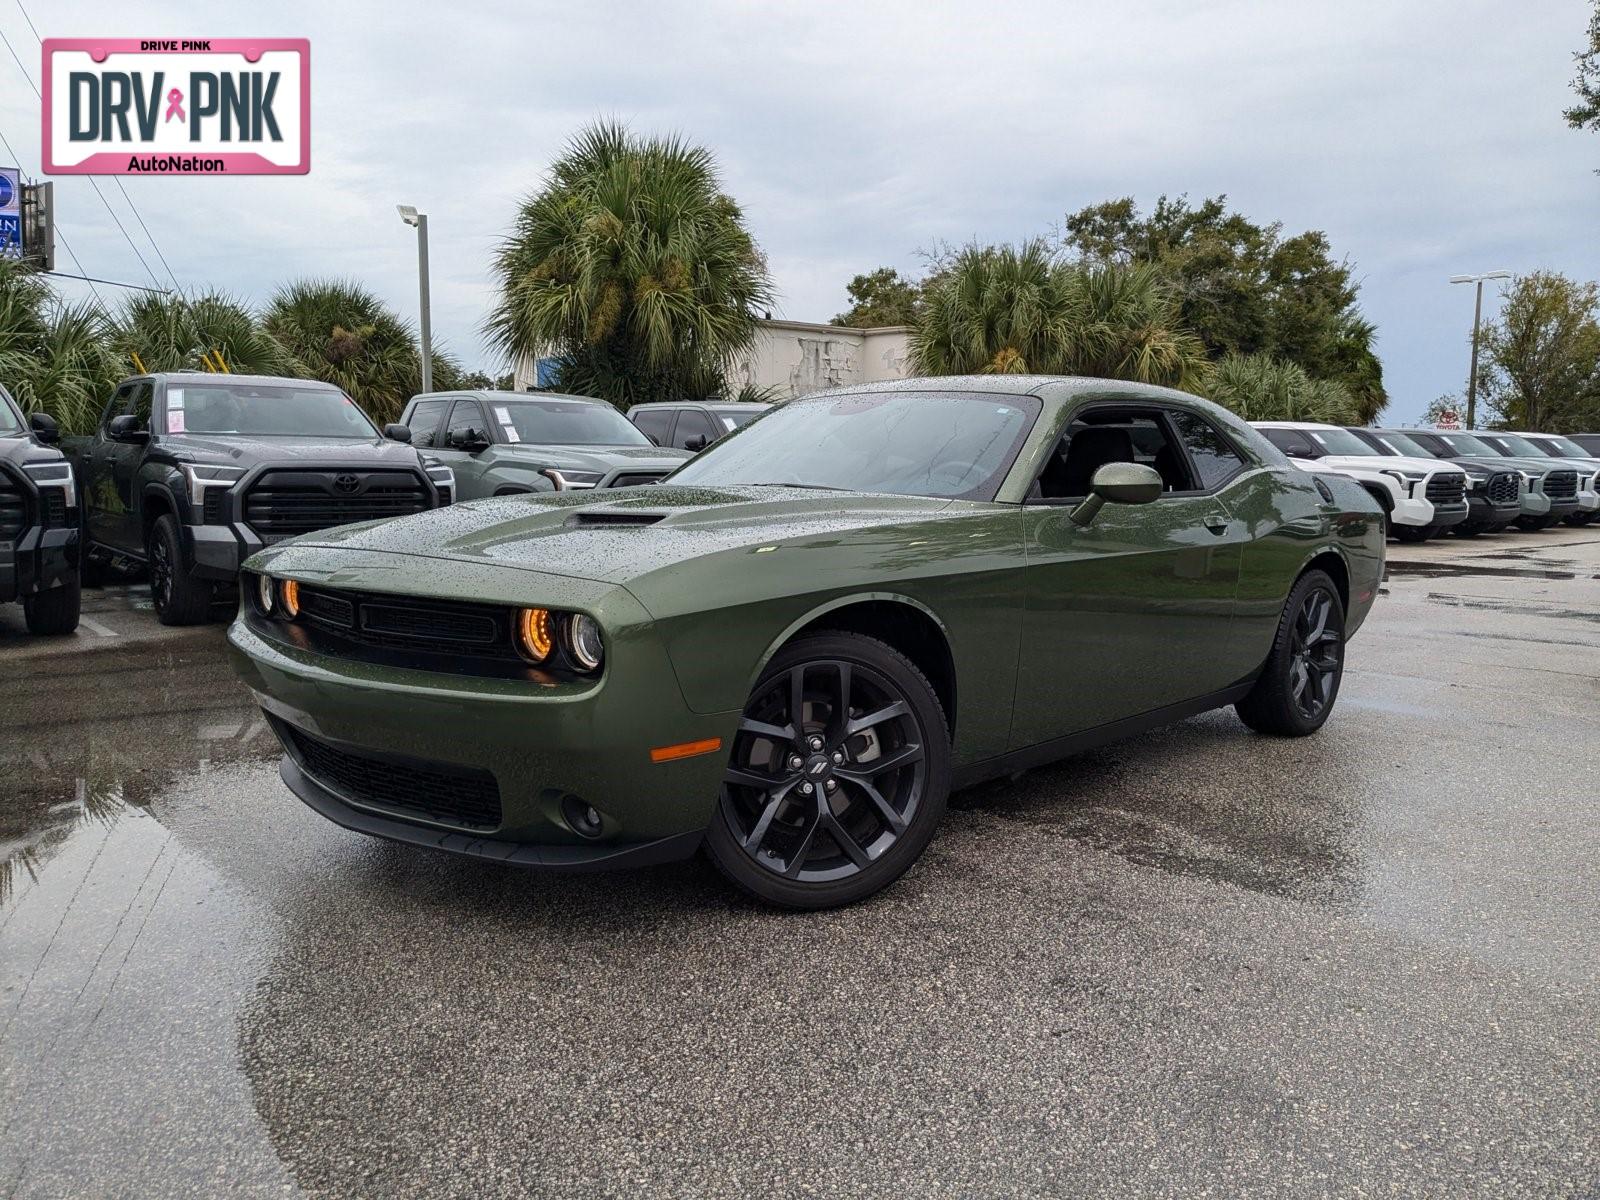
pixel 797 357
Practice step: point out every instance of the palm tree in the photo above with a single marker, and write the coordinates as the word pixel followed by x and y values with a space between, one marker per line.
pixel 53 356
pixel 1003 309
pixel 633 268
pixel 176 332
pixel 340 332
pixel 1261 388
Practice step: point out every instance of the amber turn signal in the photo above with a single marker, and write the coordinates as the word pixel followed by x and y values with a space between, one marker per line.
pixel 662 754
pixel 289 595
pixel 534 638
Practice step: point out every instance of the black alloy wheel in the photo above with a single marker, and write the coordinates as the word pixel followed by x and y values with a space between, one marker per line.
pixel 838 774
pixel 1299 682
pixel 1318 654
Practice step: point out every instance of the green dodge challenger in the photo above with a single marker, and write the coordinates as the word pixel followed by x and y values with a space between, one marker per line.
pixel 791 650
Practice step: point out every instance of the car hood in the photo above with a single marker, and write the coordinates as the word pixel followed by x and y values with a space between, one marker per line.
pixel 1387 462
pixel 244 450
pixel 1534 466
pixel 601 459
pixel 617 536
pixel 21 448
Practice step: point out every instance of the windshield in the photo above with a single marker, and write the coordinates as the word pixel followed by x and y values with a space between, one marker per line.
pixel 1401 444
pixel 1341 441
pixel 944 444
pixel 735 419
pixel 10 420
pixel 265 410
pixel 1465 443
pixel 564 423
pixel 1560 447
pixel 1510 443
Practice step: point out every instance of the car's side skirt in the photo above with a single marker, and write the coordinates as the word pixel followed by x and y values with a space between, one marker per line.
pixel 1099 735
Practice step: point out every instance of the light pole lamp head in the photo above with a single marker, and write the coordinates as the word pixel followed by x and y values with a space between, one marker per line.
pixel 407 213
pixel 1480 278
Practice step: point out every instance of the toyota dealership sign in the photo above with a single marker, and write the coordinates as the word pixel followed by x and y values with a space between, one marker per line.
pixel 212 106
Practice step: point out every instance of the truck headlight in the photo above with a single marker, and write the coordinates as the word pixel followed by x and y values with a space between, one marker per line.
pixel 443 480
pixel 201 477
pixel 582 479
pixel 54 475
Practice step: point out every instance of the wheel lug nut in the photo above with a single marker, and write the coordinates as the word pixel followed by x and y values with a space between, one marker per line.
pixel 838 756
pixel 806 789
pixel 796 762
pixel 831 785
pixel 815 743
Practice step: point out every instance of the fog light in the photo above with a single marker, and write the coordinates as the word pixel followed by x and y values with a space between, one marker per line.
pixel 534 638
pixel 266 594
pixel 289 596
pixel 584 818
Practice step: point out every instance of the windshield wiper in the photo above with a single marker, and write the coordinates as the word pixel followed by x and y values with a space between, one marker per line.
pixel 812 487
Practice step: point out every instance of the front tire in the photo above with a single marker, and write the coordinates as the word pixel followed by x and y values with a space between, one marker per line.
pixel 837 777
pixel 54 612
pixel 1299 682
pixel 180 598
pixel 1410 534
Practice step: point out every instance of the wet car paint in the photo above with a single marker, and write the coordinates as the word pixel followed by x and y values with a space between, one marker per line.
pixel 1199 958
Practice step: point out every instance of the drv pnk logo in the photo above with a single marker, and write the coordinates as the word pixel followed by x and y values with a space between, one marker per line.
pixel 177 107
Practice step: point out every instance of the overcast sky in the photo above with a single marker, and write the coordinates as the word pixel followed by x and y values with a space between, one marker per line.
pixel 1424 136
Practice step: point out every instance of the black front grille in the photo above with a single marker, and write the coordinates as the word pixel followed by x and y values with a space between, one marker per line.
pixel 282 503
pixel 1447 489
pixel 637 478
pixel 466 797
pixel 1561 485
pixel 407 623
pixel 1503 487
pixel 13 511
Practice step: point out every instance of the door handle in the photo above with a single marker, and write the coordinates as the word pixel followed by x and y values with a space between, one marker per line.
pixel 1217 523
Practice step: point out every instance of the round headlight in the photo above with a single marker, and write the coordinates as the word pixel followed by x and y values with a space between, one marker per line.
pixel 289 597
pixel 533 634
pixel 266 594
pixel 584 643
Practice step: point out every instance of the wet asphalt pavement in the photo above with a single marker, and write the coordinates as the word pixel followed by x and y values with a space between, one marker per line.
pixel 1197 962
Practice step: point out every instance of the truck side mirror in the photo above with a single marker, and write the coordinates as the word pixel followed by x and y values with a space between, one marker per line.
pixel 45 428
pixel 127 428
pixel 697 442
pixel 397 433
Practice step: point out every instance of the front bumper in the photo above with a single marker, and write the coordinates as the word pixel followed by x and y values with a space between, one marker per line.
pixel 1482 511
pixel 218 551
pixel 1589 501
pixel 40 559
pixel 543 743
pixel 1419 512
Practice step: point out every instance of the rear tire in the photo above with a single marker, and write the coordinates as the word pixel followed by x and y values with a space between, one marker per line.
pixel 180 598
pixel 1299 683
pixel 841 825
pixel 55 611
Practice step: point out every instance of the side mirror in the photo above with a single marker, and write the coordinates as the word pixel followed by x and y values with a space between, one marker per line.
pixel 471 441
pixel 127 428
pixel 397 433
pixel 698 442
pixel 45 428
pixel 1118 483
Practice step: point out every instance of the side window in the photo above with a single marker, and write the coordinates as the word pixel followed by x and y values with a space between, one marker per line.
pixel 1109 435
pixel 693 423
pixel 120 404
pixel 654 423
pixel 1214 460
pixel 140 405
pixel 466 418
pixel 1292 442
pixel 424 422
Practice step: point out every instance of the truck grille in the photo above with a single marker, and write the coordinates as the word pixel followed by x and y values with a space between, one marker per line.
pixel 466 797
pixel 282 503
pixel 1447 489
pixel 406 623
pixel 638 478
pixel 1561 485
pixel 1503 487
pixel 13 511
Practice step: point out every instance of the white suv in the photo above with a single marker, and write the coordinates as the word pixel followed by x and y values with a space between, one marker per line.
pixel 1421 497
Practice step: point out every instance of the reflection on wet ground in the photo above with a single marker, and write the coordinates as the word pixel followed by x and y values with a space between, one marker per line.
pixel 1196 960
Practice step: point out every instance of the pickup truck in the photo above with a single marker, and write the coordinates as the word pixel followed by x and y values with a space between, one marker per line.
pixel 190 473
pixel 38 522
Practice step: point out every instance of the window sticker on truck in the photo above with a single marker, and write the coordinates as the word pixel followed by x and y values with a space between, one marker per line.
pixel 174 410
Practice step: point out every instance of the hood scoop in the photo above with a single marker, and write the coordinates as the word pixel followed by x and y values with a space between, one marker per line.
pixel 590 518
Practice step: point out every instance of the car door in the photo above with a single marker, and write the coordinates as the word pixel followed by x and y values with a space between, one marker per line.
pixel 425 419
pixel 466 426
pixel 696 427
pixel 654 423
pixel 109 472
pixel 1134 611
pixel 125 459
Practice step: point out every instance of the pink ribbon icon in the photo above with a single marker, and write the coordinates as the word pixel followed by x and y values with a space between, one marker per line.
pixel 175 105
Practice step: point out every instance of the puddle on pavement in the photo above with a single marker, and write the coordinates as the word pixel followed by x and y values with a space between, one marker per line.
pixel 1532 608
pixel 1458 570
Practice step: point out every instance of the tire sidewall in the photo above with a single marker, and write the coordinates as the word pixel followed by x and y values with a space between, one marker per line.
pixel 723 844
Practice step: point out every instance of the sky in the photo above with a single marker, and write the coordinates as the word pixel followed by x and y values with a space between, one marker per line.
pixel 1423 136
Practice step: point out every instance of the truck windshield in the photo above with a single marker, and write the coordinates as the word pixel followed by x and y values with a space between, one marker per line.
pixel 1465 444
pixel 265 410
pixel 565 423
pixel 1341 441
pixel 1404 446
pixel 1560 447
pixel 10 420
pixel 1511 445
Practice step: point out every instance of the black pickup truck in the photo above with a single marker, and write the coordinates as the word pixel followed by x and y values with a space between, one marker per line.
pixel 38 522
pixel 190 473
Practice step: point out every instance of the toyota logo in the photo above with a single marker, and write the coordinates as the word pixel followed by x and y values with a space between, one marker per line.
pixel 346 484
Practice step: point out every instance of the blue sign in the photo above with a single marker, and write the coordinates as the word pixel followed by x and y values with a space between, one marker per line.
pixel 8 190
pixel 10 235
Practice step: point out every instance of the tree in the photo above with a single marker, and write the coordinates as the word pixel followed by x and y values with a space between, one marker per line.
pixel 176 333
pixel 1243 288
pixel 483 381
pixel 882 297
pixel 1008 310
pixel 1261 388
pixel 54 356
pixel 1540 362
pixel 633 268
pixel 341 333
pixel 1586 83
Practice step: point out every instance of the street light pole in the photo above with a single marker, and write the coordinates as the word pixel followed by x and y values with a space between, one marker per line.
pixel 1477 316
pixel 412 217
